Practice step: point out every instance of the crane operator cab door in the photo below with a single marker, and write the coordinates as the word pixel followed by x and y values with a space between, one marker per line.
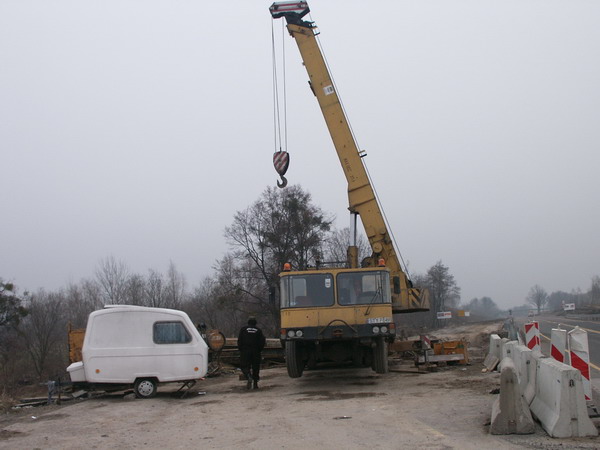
pixel 305 298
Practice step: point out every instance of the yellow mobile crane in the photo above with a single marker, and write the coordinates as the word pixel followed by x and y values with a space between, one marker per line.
pixel 342 314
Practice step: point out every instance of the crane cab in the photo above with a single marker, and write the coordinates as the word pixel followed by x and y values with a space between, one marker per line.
pixel 336 287
pixel 335 315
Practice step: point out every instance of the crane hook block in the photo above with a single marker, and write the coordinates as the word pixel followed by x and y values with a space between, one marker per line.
pixel 281 161
pixel 283 182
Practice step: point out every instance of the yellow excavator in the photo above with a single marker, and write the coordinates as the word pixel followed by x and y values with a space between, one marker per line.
pixel 342 314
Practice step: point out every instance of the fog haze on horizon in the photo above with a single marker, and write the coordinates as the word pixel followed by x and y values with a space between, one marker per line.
pixel 137 130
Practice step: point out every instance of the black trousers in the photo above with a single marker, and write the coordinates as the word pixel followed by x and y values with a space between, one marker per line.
pixel 250 359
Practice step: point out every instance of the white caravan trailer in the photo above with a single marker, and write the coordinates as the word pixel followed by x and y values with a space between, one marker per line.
pixel 137 346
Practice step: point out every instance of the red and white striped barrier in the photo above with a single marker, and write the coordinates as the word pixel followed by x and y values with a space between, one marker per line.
pixel 580 357
pixel 558 344
pixel 425 342
pixel 532 336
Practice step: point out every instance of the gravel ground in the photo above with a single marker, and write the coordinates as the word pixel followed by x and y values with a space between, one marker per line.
pixel 342 408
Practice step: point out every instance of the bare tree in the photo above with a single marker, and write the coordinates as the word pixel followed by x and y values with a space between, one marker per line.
pixel 201 307
pixel 282 226
pixel 443 293
pixel 12 361
pixel 537 297
pixel 240 289
pixel 43 330
pixel 80 300
pixel 11 308
pixel 443 289
pixel 92 294
pixel 210 305
pixel 174 288
pixel 155 289
pixel 136 290
pixel 12 313
pixel 77 307
pixel 113 276
pixel 337 242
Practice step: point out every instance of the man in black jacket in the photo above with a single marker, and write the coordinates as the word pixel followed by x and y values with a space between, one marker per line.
pixel 251 342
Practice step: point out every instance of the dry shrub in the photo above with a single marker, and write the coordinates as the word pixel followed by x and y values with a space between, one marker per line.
pixel 6 402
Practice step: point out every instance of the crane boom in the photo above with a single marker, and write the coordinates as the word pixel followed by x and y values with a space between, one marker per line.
pixel 361 196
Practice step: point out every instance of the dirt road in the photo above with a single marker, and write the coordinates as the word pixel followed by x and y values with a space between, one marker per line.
pixel 339 408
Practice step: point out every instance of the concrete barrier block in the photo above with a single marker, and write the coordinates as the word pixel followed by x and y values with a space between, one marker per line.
pixel 495 346
pixel 510 412
pixel 526 366
pixel 507 349
pixel 503 341
pixel 559 402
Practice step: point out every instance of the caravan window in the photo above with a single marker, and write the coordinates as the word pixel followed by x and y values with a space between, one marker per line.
pixel 171 333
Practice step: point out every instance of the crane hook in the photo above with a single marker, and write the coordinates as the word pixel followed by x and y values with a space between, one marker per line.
pixel 281 161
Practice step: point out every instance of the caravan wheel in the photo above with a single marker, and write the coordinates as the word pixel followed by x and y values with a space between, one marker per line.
pixel 145 388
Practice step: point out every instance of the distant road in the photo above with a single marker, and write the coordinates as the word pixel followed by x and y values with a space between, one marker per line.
pixel 547 322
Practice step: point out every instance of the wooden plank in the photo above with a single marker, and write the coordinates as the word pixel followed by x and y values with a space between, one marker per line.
pixel 270 343
pixel 441 358
pixel 491 362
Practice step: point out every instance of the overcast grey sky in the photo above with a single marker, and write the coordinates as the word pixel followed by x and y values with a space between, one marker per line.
pixel 138 128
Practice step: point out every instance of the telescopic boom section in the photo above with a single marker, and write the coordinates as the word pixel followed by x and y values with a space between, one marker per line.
pixel 361 196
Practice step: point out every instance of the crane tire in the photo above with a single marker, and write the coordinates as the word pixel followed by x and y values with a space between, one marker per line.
pixel 293 359
pixel 380 356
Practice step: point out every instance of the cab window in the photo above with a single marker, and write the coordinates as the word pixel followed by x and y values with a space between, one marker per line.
pixel 306 291
pixel 363 288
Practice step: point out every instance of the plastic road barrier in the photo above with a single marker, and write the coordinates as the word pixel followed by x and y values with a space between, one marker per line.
pixel 532 336
pixel 558 344
pixel 580 357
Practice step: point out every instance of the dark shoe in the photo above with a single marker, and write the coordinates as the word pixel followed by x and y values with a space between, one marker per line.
pixel 256 385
